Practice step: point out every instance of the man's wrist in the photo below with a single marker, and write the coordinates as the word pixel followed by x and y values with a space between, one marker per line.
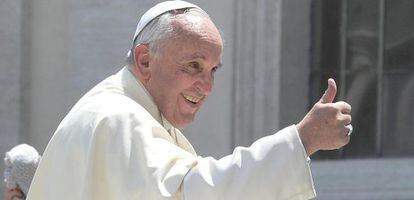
pixel 305 139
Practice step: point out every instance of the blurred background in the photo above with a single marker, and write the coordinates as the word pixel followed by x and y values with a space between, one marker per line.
pixel 277 58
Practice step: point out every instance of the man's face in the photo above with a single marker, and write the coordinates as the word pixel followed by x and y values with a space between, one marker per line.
pixel 182 75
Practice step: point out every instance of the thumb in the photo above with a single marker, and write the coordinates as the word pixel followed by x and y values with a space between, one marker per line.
pixel 330 92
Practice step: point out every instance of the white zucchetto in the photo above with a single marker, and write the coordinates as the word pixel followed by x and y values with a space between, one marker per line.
pixel 158 10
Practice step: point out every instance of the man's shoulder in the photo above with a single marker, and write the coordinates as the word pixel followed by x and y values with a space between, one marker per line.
pixel 111 114
pixel 109 104
pixel 109 97
pixel 107 101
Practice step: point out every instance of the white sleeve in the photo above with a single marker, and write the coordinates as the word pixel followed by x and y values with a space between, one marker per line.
pixel 273 167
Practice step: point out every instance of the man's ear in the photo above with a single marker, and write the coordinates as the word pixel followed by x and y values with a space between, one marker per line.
pixel 141 59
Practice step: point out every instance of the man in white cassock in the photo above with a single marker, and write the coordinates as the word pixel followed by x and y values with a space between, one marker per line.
pixel 122 140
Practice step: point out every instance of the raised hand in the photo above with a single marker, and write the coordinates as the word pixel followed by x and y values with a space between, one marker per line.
pixel 324 127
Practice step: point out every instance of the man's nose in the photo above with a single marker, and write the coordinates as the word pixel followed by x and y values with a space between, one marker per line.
pixel 205 83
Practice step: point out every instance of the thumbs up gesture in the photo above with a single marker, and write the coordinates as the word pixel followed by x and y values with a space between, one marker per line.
pixel 325 125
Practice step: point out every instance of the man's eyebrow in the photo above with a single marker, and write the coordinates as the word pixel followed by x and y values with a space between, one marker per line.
pixel 195 56
pixel 201 56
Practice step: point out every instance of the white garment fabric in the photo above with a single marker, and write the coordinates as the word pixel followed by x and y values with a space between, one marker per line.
pixel 115 144
pixel 20 166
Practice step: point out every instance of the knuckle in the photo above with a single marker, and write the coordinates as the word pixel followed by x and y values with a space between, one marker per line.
pixel 344 105
pixel 331 109
pixel 345 119
pixel 318 106
pixel 338 121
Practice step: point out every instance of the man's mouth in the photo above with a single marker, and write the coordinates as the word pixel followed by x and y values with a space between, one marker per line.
pixel 192 99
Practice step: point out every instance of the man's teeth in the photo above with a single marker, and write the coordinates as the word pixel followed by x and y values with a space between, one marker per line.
pixel 191 98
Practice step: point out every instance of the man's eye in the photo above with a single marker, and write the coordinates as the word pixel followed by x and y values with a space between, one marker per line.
pixel 214 69
pixel 193 67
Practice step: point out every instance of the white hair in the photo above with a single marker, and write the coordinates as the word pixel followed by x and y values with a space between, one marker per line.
pixel 158 30
pixel 20 166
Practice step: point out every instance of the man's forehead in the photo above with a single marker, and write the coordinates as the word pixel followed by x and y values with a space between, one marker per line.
pixel 195 55
pixel 191 25
pixel 201 27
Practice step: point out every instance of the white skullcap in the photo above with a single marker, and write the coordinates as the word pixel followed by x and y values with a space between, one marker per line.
pixel 158 10
pixel 21 163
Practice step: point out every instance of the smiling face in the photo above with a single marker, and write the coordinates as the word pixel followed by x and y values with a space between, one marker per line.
pixel 182 75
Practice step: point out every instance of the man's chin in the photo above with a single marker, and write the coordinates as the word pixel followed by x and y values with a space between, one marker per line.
pixel 183 122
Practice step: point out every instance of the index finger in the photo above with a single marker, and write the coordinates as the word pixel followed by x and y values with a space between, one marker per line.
pixel 344 107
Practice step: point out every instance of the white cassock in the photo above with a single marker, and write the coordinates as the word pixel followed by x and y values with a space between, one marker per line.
pixel 115 145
